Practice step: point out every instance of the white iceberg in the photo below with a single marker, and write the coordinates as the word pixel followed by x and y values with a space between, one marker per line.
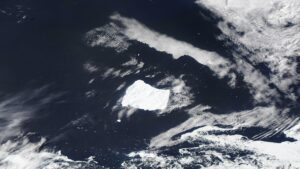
pixel 143 96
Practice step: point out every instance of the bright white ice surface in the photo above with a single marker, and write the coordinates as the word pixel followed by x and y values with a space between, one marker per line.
pixel 143 96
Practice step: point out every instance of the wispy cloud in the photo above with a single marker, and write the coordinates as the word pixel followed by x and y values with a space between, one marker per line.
pixel 16 151
pixel 109 36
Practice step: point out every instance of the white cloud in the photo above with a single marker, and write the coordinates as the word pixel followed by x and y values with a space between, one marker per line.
pixel 212 147
pixel 217 151
pixel 132 66
pixel 16 151
pixel 163 43
pixel 180 96
pixel 267 117
pixel 107 36
pixel 117 36
pixel 257 82
pixel 15 110
pixel 22 154
pixel 269 30
pixel 90 67
pixel 133 62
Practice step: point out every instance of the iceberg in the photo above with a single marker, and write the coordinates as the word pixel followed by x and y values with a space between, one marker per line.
pixel 143 96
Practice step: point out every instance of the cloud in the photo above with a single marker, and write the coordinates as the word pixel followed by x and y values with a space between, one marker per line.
pixel 134 30
pixel 201 147
pixel 267 32
pixel 118 34
pixel 22 154
pixel 272 118
pixel 180 96
pixel 16 151
pixel 17 109
pixel 107 36
pixel 196 141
